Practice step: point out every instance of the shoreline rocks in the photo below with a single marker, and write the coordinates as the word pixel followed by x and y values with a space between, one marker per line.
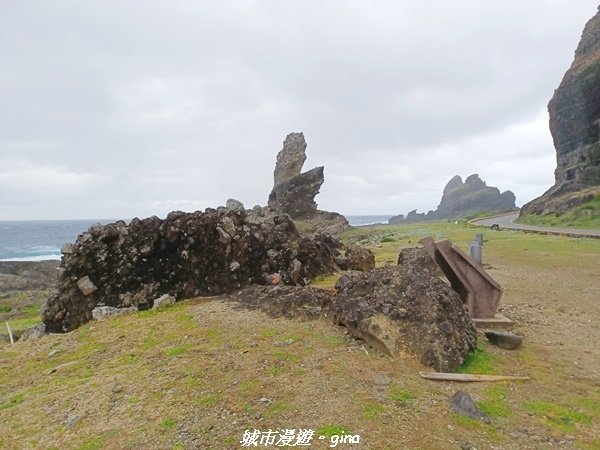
pixel 461 199
pixel 27 275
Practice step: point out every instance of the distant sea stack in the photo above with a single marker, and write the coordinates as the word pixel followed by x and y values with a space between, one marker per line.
pixel 575 126
pixel 460 199
pixel 294 191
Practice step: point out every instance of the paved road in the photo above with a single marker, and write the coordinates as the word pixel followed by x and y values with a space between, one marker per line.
pixel 506 221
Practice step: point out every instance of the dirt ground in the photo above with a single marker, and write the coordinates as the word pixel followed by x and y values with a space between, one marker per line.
pixel 199 374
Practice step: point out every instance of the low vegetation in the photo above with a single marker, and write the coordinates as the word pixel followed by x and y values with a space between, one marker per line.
pixel 585 216
pixel 196 375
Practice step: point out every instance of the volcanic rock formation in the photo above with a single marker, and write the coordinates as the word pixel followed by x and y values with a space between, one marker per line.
pixel 185 255
pixel 294 191
pixel 461 199
pixel 575 126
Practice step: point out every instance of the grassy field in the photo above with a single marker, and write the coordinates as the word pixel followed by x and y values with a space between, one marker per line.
pixel 200 373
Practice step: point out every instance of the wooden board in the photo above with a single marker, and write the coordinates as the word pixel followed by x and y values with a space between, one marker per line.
pixel 468 377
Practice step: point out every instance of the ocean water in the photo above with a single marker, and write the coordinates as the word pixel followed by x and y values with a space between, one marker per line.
pixel 40 240
pixel 357 221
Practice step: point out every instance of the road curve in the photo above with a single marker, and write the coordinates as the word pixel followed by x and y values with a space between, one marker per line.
pixel 507 221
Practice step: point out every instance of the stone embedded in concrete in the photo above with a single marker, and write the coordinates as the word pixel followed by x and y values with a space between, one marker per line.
pixel 86 286
pixel 67 248
pixel 104 312
pixel 403 310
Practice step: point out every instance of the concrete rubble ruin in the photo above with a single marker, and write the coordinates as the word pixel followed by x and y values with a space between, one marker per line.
pixel 185 255
pixel 477 289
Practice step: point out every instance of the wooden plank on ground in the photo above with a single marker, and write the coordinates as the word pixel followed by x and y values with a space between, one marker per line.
pixel 468 377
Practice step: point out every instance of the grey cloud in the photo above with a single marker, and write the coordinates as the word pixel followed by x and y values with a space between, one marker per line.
pixel 188 103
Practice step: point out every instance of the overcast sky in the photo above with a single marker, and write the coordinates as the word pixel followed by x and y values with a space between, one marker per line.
pixel 116 109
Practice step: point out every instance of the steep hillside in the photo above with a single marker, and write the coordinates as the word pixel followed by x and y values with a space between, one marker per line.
pixel 575 126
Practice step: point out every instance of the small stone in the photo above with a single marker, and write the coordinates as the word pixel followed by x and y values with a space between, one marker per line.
pixel 463 404
pixel 382 380
pixel 283 343
pixel 33 333
pixel 71 420
pixel 53 352
pixel 86 286
pixel 507 341
pixel 102 312
pixel 273 279
pixel 234 266
pixel 163 301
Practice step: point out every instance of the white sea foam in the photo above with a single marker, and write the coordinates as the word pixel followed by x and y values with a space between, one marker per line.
pixel 34 258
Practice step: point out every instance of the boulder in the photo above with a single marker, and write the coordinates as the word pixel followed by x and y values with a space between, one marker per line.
pixel 575 126
pixel 403 310
pixel 359 258
pixel 185 255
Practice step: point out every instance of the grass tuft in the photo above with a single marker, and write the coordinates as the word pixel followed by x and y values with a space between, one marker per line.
pixel 331 430
pixel 397 394
pixel 557 416
pixel 167 424
pixel 496 402
pixel 372 411
pixel 479 361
